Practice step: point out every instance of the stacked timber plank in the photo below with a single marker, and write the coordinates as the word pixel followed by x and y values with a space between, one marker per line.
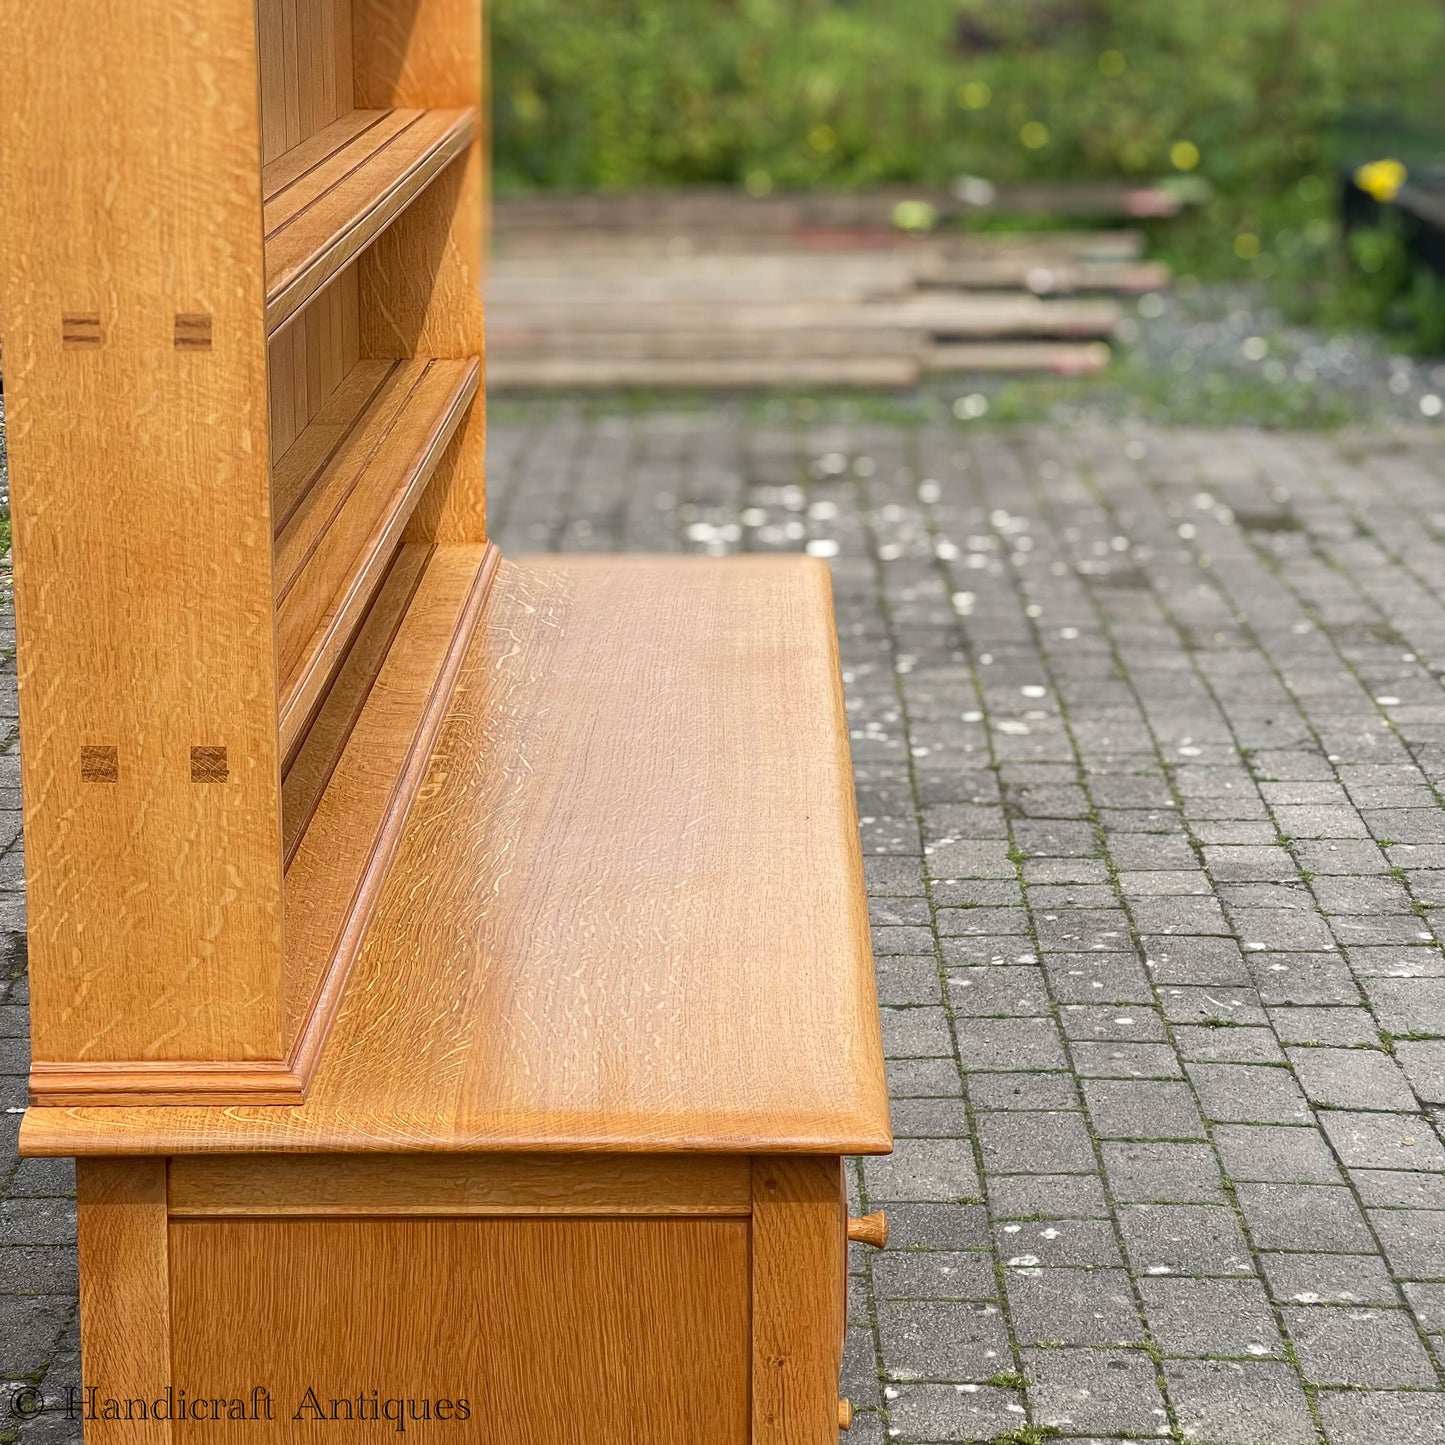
pixel 710 289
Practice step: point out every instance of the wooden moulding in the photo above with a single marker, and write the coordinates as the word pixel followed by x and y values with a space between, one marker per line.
pixel 303 1185
pixel 338 537
pixel 329 198
pixel 330 890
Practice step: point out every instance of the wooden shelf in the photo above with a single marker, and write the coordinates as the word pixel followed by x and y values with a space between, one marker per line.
pixel 320 749
pixel 349 790
pixel 328 198
pixel 342 496
pixel 629 747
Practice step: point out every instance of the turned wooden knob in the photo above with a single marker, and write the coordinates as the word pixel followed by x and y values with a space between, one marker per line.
pixel 845 1414
pixel 870 1229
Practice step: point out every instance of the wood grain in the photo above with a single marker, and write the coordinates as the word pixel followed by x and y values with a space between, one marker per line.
pixel 335 548
pixel 305 68
pixel 420 283
pixel 325 217
pixel 367 777
pixel 342 859
pixel 308 362
pixel 635 747
pixel 457 1184
pixel 556 1332
pixel 124 1290
pixel 165 1082
pixel 313 448
pixel 799 1279
pixel 154 902
pixel 320 747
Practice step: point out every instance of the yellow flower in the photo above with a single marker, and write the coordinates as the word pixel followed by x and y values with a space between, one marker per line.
pixel 1035 135
pixel 1382 179
pixel 914 216
pixel 975 95
pixel 1184 154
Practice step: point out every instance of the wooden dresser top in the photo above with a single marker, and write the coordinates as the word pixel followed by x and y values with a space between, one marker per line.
pixel 627 908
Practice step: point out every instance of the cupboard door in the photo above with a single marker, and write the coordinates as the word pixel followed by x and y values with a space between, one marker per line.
pixel 553 1332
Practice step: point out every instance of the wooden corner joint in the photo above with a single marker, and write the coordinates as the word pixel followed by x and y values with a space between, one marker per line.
pixel 179 1081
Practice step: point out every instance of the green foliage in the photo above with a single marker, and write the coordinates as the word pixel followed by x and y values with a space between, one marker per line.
pixel 1028 1435
pixel 1383 290
pixel 1246 96
pixel 1009 1380
pixel 619 94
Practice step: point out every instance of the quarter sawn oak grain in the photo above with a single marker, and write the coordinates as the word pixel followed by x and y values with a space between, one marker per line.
pixel 626 911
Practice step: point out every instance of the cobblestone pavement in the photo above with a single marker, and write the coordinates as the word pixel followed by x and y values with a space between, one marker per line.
pixel 1149 739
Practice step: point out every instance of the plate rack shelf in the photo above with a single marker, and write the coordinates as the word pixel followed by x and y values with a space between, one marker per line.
pixel 244 343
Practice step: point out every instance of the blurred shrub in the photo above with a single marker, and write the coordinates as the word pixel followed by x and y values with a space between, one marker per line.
pixel 1262 99
pixel 623 94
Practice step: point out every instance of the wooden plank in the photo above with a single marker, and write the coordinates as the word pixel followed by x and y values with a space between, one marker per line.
pixel 291 166
pixel 1047 278
pixel 799 1268
pixel 345 62
pixel 786 211
pixel 291 85
pixel 990 315
pixel 333 882
pixel 555 1332
pixel 561 908
pixel 806 342
pixel 299 465
pixel 520 372
pixel 124 1291
pixel 742 286
pixel 1084 198
pixel 1064 358
pixel 796 274
pixel 305 366
pixel 333 553
pixel 307 171
pixel 420 284
pixel 937 312
pixel 271 63
pixel 154 900
pixel 458 1184
pixel 544 245
pixel 320 747
pixel 329 218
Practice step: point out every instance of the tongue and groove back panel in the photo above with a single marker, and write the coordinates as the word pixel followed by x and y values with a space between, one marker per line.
pixel 243 337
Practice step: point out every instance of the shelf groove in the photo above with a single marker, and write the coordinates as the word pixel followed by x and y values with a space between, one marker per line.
pixel 346 501
pixel 327 199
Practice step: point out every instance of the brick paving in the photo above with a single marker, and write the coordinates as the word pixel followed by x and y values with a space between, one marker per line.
pixel 1149 742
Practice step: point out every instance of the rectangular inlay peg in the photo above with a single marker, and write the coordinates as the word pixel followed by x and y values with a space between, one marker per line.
pixel 80 331
pixel 193 331
pixel 99 764
pixel 208 765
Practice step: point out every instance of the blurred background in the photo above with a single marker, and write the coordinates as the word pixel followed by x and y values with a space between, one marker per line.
pixel 1234 209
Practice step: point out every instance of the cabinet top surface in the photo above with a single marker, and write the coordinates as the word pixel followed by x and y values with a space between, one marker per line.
pixel 627 909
